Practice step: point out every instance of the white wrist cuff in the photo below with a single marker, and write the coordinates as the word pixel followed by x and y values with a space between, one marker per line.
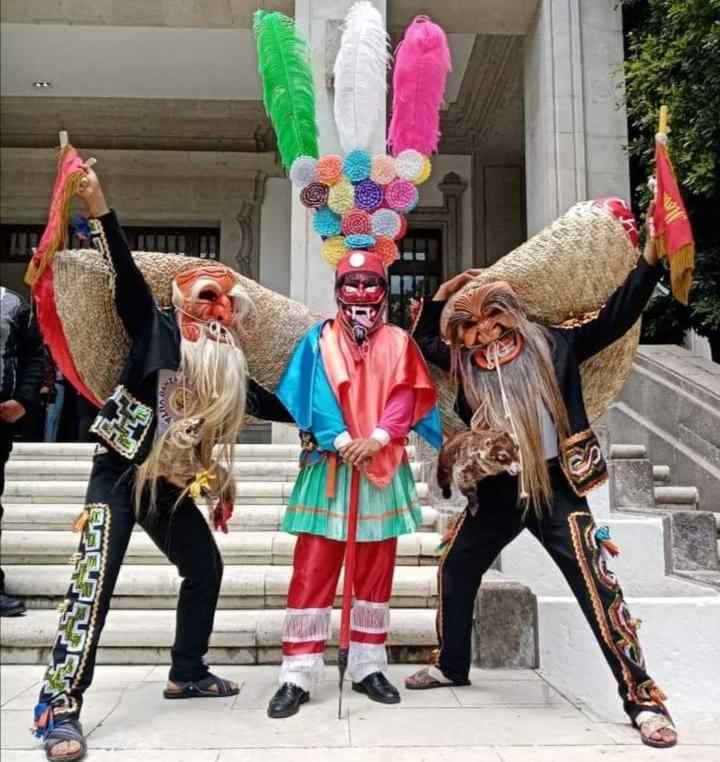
pixel 381 436
pixel 342 439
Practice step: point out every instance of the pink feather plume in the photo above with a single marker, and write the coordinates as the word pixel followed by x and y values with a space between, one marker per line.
pixel 422 63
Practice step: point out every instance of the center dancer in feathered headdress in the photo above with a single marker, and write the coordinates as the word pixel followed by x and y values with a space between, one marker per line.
pixel 355 385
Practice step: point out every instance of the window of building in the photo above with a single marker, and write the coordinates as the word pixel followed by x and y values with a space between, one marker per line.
pixel 416 273
pixel 17 241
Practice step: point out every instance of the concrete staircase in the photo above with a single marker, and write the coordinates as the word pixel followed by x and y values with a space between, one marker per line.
pixel 44 492
pixel 679 608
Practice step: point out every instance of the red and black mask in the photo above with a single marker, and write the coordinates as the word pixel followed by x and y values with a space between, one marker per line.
pixel 209 301
pixel 361 292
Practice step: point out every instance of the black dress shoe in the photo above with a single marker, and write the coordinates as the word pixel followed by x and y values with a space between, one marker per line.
pixel 286 701
pixel 10 606
pixel 377 687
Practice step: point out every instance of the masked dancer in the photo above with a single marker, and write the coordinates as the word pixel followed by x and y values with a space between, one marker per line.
pixel 517 376
pixel 166 437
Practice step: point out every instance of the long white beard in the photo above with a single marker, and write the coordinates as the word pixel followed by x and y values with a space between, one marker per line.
pixel 216 375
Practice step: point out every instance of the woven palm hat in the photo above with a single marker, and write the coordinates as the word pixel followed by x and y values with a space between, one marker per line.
pixel 97 339
pixel 564 275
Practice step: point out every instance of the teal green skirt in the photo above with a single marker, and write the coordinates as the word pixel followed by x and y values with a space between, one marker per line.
pixel 384 513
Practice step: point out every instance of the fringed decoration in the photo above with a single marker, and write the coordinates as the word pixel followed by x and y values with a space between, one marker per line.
pixel 302 172
pixel 334 249
pixel 386 249
pixel 383 169
pixel 359 241
pixel 386 222
pixel 356 222
pixel 326 223
pixel 341 198
pixel 306 625
pixel 288 90
pixel 370 617
pixel 314 196
pixel 368 195
pixel 39 274
pixel 329 169
pixel 422 63
pixel 360 76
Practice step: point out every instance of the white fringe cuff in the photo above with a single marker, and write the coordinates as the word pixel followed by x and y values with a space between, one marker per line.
pixel 369 617
pixel 364 659
pixel 306 625
pixel 304 670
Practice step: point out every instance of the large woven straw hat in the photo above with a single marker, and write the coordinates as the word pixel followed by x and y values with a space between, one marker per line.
pixel 97 339
pixel 565 274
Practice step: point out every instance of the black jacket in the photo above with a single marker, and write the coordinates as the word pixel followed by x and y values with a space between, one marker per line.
pixel 126 422
pixel 580 454
pixel 22 356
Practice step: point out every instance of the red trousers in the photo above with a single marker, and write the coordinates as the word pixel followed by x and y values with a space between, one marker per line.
pixel 316 569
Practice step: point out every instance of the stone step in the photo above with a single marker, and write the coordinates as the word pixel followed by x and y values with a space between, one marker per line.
pixel 681 496
pixel 243 587
pixel 661 474
pixel 254 517
pixel 84 450
pixel 246 636
pixel 276 548
pixel 79 470
pixel 266 492
pixel 642 567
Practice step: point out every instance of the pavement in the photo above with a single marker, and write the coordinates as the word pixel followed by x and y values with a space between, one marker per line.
pixel 505 716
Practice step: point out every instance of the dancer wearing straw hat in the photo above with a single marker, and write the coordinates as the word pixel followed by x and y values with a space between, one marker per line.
pixel 166 438
pixel 518 376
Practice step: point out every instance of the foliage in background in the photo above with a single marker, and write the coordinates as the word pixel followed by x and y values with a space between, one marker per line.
pixel 673 57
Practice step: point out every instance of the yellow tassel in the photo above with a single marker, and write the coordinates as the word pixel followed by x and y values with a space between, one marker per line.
pixel 81 520
pixel 682 263
pixel 657 695
pixel 202 481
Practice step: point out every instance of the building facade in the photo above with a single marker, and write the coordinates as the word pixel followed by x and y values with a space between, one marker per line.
pixel 166 96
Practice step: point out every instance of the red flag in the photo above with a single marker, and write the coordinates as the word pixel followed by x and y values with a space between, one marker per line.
pixel 673 234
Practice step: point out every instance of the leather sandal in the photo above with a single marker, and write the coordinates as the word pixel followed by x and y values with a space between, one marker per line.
pixel 211 686
pixel 63 731
pixel 651 725
pixel 422 680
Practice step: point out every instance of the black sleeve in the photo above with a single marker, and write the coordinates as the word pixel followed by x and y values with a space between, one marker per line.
pixel 31 360
pixel 264 404
pixel 618 314
pixel 133 297
pixel 427 335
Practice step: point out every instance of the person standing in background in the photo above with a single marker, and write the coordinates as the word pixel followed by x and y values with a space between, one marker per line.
pixel 21 373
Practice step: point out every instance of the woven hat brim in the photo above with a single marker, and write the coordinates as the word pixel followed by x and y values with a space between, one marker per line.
pixel 99 344
pixel 564 275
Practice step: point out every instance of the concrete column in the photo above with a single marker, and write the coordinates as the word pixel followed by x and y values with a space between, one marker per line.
pixel 311 279
pixel 575 133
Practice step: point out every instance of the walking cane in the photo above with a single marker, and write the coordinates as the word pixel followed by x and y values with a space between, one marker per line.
pixel 350 548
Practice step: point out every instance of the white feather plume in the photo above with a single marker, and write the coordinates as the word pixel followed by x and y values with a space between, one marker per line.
pixel 360 76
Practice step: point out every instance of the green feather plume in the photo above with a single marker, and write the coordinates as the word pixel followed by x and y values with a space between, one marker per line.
pixel 288 92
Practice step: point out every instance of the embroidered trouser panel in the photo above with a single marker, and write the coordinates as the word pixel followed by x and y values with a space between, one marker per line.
pixel 181 534
pixel 316 570
pixel 568 533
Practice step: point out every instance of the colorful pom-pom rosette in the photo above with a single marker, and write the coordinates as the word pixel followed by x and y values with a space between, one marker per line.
pixel 314 195
pixel 341 198
pixel 409 164
pixel 383 170
pixel 359 241
pixel 326 223
pixel 334 250
pixel 386 223
pixel 356 222
pixel 329 169
pixel 425 173
pixel 302 171
pixel 401 195
pixel 386 249
pixel 357 165
pixel 368 195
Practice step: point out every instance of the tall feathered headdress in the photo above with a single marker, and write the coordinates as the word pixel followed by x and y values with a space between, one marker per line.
pixel 359 200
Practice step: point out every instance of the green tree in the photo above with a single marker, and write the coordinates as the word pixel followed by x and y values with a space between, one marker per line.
pixel 672 56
